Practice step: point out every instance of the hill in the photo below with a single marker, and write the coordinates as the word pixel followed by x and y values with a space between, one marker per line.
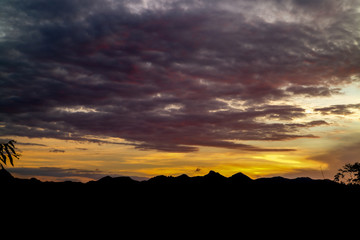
pixel 212 185
pixel 213 180
pixel 170 198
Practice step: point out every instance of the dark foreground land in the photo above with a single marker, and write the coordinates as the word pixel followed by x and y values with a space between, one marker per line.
pixel 180 203
pixel 210 186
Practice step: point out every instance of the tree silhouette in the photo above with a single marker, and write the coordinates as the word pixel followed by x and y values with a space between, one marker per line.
pixel 349 174
pixel 8 151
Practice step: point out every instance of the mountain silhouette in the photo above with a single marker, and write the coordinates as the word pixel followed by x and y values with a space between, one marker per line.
pixel 240 178
pixel 212 185
pixel 5 176
pixel 213 176
pixel 115 181
pixel 210 178
pixel 181 192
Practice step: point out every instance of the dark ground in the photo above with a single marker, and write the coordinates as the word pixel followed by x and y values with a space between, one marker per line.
pixel 210 205
pixel 210 187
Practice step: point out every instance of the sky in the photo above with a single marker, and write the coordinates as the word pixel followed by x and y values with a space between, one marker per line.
pixel 141 88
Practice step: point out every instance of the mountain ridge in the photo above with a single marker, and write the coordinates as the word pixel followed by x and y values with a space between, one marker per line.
pixel 181 190
pixel 212 177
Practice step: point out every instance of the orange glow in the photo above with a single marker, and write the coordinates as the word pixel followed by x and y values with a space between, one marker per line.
pixel 124 160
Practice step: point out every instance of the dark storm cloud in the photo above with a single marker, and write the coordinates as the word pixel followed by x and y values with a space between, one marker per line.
pixel 162 77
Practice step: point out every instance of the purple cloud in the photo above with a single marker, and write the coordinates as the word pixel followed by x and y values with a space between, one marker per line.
pixel 162 77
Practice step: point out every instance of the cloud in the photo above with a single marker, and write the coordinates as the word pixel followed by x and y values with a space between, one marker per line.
pixel 56 151
pixel 313 91
pixel 31 144
pixel 82 149
pixel 61 174
pixel 341 109
pixel 346 151
pixel 162 75
pixel 56 172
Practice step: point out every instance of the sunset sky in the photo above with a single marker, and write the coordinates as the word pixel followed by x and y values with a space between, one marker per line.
pixel 91 88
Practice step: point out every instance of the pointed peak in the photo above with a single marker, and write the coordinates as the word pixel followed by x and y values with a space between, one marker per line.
pixel 104 179
pixel 214 174
pixel 239 174
pixel 5 175
pixel 240 177
pixel 183 176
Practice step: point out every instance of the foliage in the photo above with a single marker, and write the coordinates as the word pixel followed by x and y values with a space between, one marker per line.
pixel 8 151
pixel 349 174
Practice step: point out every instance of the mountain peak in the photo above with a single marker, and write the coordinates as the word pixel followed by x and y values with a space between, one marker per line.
pixel 116 180
pixel 183 176
pixel 240 177
pixel 213 174
pixel 5 176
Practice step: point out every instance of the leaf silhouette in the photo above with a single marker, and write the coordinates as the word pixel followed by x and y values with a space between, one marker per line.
pixel 8 150
pixel 11 149
pixel 11 142
pixel 9 155
pixel 3 157
pixel 349 174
